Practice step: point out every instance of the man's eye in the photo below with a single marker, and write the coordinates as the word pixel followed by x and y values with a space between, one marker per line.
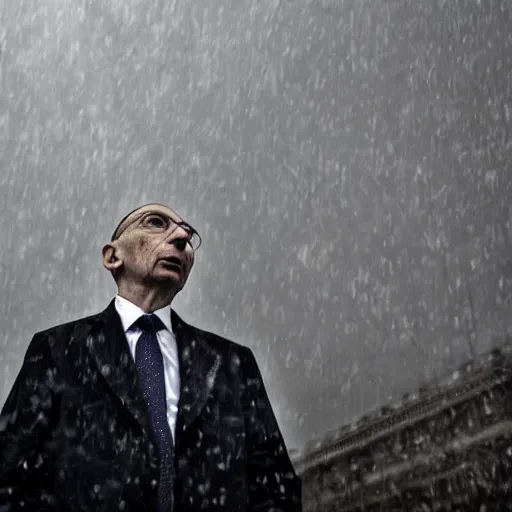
pixel 156 221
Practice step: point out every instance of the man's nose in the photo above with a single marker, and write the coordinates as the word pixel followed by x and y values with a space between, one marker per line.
pixel 179 237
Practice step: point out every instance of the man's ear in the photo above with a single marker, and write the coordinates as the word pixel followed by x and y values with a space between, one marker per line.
pixel 110 259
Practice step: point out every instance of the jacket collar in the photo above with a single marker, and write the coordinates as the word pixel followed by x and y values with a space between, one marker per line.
pixel 198 362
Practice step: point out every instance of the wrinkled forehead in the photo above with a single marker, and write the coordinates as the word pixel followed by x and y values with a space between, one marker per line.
pixel 140 212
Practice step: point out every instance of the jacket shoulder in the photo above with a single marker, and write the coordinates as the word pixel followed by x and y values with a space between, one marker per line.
pixel 69 329
pixel 217 341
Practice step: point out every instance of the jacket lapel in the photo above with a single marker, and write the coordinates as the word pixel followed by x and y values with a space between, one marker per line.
pixel 110 351
pixel 198 368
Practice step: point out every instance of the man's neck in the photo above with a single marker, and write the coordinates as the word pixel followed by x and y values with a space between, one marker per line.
pixel 148 300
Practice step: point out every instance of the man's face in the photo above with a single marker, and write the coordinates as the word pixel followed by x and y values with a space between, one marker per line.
pixel 153 249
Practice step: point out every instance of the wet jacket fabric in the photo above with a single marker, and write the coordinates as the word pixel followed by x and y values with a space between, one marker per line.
pixel 75 433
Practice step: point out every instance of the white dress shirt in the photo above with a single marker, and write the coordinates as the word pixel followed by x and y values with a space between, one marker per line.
pixel 129 314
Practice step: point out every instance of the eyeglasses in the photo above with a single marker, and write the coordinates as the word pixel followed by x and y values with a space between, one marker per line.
pixel 159 222
pixel 193 238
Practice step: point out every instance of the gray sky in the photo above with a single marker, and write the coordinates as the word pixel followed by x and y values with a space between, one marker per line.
pixel 347 164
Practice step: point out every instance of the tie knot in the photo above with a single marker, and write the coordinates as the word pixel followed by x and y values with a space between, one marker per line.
pixel 149 322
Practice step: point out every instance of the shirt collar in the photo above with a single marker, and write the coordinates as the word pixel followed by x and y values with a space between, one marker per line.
pixel 130 313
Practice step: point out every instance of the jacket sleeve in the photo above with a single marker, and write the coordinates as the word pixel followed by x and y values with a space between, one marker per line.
pixel 273 483
pixel 26 423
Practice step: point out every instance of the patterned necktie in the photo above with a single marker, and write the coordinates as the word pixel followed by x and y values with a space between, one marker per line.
pixel 150 366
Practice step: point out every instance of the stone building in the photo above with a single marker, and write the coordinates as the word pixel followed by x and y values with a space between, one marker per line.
pixel 448 447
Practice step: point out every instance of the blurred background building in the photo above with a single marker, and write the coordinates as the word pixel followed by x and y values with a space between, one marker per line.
pixel 447 447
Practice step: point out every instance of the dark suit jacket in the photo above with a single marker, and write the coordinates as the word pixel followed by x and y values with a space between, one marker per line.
pixel 75 433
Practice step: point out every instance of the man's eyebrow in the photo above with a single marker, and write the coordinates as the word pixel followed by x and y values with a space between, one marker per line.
pixel 121 229
pixel 166 215
pixel 115 234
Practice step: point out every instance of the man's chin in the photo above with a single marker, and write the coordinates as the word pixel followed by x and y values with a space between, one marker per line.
pixel 172 279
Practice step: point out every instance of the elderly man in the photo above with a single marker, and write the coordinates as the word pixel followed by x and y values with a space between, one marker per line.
pixel 133 409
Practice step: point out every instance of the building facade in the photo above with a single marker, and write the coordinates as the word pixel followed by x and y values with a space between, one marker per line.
pixel 449 447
